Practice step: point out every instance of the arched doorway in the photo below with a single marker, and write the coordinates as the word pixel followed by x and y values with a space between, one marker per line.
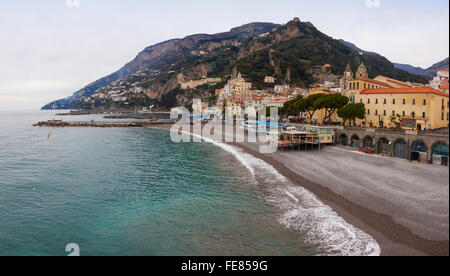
pixel 419 151
pixel 355 141
pixel 401 149
pixel 440 154
pixel 368 142
pixel 343 140
pixel 384 146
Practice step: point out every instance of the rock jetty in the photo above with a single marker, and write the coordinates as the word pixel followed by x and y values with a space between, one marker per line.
pixel 59 123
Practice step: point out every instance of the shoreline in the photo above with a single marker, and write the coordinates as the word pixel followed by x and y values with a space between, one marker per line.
pixel 393 238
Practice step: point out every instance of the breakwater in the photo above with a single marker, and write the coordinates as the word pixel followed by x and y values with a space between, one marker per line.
pixel 58 123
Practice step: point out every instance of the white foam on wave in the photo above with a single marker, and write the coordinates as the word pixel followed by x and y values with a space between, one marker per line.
pixel 303 212
pixel 226 148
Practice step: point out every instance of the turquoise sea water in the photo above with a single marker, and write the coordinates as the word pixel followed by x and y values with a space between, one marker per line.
pixel 135 192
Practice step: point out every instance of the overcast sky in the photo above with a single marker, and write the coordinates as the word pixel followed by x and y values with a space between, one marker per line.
pixel 49 50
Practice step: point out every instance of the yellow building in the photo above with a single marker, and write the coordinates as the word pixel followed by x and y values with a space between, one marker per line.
pixel 355 87
pixel 419 108
pixel 239 84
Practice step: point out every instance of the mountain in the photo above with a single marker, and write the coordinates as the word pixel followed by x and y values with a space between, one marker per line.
pixel 163 54
pixel 429 72
pixel 295 51
pixel 432 71
pixel 354 47
pixel 173 72
pixel 409 68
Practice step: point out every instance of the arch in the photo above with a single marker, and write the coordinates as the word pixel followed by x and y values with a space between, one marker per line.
pixel 401 149
pixel 343 139
pixel 383 145
pixel 368 142
pixel 419 151
pixel 355 141
pixel 439 153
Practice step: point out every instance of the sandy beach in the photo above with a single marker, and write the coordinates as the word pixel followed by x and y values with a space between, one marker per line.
pixel 404 206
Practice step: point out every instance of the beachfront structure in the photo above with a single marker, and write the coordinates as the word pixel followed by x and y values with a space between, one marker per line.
pixel 418 108
pixel 409 145
pixel 325 134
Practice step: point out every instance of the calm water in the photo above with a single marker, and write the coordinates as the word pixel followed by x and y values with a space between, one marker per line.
pixel 134 192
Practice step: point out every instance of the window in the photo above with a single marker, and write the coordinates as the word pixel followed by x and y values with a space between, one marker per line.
pixel 404 101
pixel 384 113
pixel 376 101
pixel 442 116
pixel 365 85
pixel 368 101
pixel 393 113
pixel 385 101
pixel 424 102
pixel 414 101
pixel 376 112
pixel 404 113
pixel 393 101
pixel 423 115
pixel 368 111
pixel 357 86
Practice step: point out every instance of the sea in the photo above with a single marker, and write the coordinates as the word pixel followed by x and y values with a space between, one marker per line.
pixel 134 192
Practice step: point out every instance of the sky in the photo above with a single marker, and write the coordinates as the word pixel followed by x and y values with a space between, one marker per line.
pixel 52 48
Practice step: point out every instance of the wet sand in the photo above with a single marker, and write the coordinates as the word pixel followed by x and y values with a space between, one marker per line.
pixel 404 206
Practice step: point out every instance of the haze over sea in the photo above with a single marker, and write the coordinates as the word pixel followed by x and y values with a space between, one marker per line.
pixel 133 191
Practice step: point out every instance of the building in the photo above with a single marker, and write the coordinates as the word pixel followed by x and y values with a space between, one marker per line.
pixel 440 80
pixel 269 79
pixel 355 87
pixel 393 82
pixel 418 108
pixel 275 102
pixel 361 73
pixel 282 89
pixel 348 76
pixel 256 102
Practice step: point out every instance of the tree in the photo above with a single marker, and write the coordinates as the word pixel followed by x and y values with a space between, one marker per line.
pixel 331 103
pixel 309 104
pixel 396 121
pixel 289 109
pixel 351 112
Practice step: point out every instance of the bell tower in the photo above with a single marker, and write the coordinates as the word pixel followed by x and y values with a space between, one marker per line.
pixel 362 72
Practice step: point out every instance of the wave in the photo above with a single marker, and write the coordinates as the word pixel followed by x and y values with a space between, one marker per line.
pixel 302 211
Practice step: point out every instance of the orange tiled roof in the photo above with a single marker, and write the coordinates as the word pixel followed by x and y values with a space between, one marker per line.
pixel 279 100
pixel 444 87
pixel 403 91
pixel 443 70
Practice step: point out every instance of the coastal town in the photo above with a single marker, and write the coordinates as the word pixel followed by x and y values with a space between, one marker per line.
pixel 205 128
pixel 391 118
